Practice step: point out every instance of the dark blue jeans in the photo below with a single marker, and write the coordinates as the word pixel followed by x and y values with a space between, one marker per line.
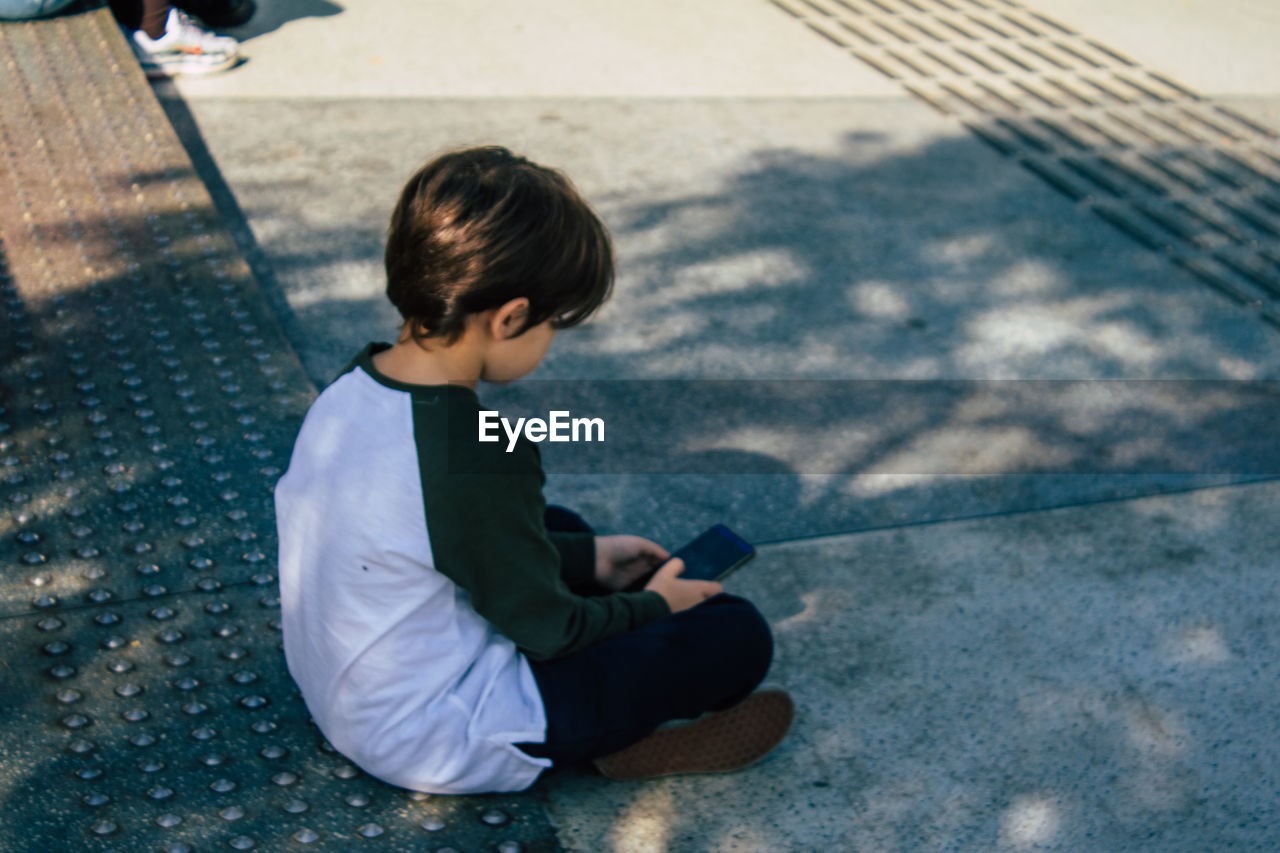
pixel 610 695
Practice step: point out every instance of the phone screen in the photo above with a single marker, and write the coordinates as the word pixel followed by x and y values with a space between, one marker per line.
pixel 714 554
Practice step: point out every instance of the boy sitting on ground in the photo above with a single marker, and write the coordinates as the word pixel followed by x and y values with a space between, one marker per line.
pixel 449 632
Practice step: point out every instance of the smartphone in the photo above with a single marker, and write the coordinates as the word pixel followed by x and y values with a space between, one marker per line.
pixel 716 553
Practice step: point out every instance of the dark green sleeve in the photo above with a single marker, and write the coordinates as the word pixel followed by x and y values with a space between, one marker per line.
pixel 487 535
pixel 577 559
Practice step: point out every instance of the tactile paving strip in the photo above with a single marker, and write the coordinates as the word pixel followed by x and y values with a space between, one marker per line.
pixel 148 403
pixel 1183 175
pixel 169 725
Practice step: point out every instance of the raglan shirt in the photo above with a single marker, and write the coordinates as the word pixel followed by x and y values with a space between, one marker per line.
pixel 417 579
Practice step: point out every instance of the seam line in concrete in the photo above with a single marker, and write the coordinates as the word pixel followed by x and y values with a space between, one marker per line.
pixel 1012 512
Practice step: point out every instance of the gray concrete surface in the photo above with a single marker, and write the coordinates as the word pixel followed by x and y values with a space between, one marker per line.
pixel 1084 678
pixel 1224 50
pixel 824 239
pixel 1216 48
pixel 1068 680
pixel 848 238
pixel 507 48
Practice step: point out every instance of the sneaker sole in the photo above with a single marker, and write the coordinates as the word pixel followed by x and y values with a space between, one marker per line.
pixel 195 66
pixel 718 743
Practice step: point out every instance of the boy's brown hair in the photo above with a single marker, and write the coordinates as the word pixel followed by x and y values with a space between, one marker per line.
pixel 476 228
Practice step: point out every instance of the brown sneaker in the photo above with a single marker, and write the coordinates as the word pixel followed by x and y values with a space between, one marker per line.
pixel 717 743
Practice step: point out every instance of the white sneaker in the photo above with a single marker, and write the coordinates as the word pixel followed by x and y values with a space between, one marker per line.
pixel 183 50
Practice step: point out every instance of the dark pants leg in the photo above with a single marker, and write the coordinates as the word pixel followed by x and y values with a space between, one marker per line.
pixel 610 695
pixel 146 15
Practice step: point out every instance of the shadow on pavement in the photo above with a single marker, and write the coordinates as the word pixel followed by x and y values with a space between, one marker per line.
pixel 873 262
pixel 274 14
pixel 1068 675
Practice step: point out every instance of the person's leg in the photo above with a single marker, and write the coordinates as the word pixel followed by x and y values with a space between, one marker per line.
pixel 219 14
pixel 149 16
pixel 168 44
pixel 611 695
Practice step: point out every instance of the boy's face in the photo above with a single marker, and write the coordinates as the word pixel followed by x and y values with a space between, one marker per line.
pixel 511 358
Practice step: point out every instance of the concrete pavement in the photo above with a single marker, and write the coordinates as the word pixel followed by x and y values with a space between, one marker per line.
pixel 1096 679
pixel 456 49
pixel 1090 677
pixel 1215 48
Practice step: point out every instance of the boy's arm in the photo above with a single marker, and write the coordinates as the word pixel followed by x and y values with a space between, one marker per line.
pixel 488 536
pixel 577 560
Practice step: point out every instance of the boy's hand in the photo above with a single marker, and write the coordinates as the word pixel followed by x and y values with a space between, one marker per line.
pixel 681 594
pixel 623 560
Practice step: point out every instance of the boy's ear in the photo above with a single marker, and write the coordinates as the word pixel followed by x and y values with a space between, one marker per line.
pixel 508 319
